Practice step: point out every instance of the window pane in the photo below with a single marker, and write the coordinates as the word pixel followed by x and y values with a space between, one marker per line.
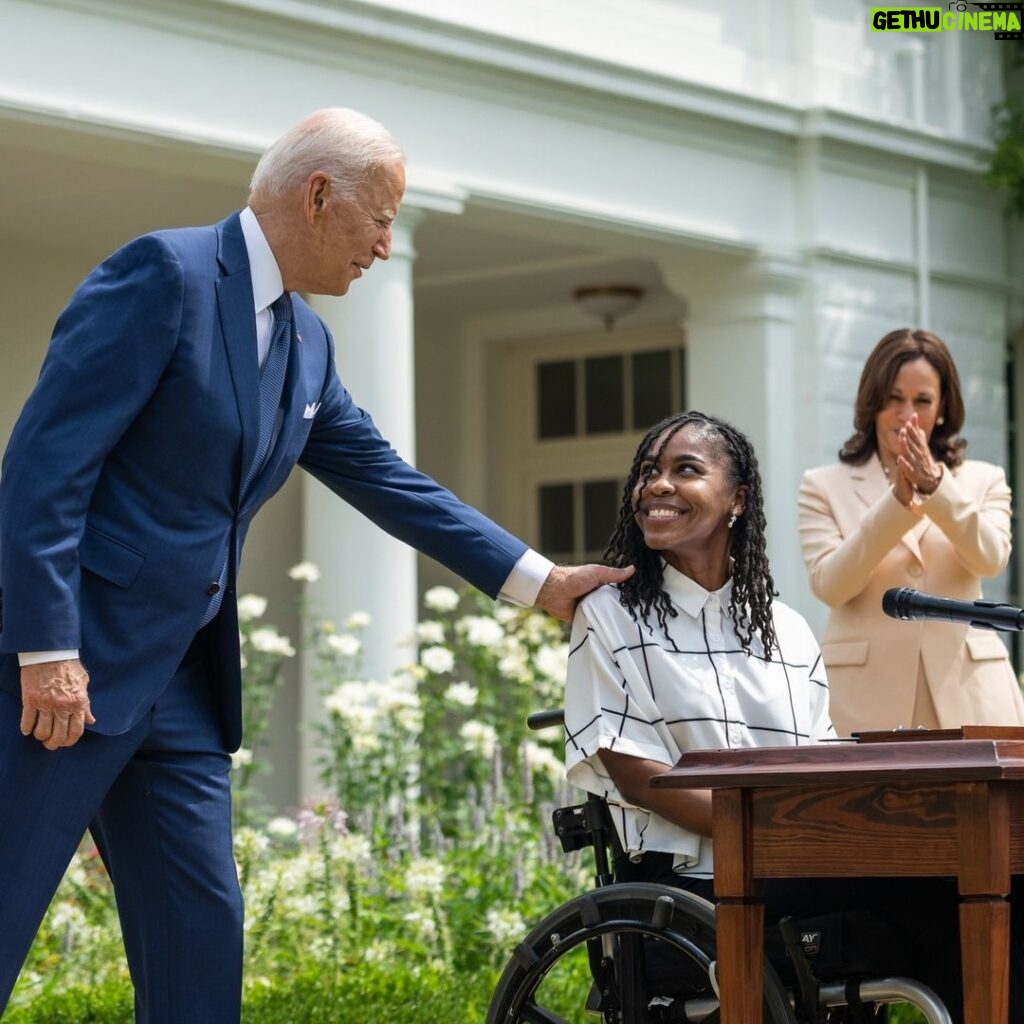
pixel 600 506
pixel 652 388
pixel 556 399
pixel 604 394
pixel 556 517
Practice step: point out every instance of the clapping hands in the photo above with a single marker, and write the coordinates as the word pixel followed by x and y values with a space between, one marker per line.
pixel 917 472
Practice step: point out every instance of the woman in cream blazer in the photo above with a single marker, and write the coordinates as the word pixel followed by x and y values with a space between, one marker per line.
pixel 903 509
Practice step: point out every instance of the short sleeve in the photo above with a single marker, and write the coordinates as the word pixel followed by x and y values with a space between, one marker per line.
pixel 608 706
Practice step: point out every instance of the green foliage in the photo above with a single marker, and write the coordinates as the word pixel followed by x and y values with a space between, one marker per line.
pixel 398 894
pixel 390 992
pixel 904 1014
pixel 407 882
pixel 110 1002
pixel 1006 170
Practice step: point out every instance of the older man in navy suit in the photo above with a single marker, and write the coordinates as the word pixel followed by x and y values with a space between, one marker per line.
pixel 173 402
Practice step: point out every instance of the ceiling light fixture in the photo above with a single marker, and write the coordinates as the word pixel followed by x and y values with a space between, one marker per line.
pixel 609 302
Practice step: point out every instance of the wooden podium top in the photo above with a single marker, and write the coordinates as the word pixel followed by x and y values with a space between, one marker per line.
pixel 971 753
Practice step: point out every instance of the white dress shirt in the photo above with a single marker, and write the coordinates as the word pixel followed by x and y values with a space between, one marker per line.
pixel 528 574
pixel 655 694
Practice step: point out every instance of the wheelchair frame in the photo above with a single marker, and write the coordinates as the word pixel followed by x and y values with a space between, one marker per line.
pixel 624 927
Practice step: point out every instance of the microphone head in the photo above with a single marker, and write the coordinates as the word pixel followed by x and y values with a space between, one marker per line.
pixel 893 602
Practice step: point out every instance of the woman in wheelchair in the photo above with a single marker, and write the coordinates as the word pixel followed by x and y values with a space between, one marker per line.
pixel 693 652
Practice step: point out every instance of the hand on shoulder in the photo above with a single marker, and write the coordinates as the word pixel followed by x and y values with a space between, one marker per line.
pixel 566 584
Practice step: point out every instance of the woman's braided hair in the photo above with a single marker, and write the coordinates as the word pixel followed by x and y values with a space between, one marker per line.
pixel 752 585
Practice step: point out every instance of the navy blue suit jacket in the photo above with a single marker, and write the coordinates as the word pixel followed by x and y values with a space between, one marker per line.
pixel 120 486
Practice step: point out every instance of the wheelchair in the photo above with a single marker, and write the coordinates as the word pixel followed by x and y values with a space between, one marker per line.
pixel 643 953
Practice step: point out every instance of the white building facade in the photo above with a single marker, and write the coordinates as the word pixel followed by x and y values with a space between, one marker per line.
pixel 782 183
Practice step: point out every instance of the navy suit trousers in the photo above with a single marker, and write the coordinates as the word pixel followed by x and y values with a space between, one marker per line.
pixel 157 802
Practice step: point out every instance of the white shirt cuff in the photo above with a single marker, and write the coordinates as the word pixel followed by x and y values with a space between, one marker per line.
pixel 526 578
pixel 38 657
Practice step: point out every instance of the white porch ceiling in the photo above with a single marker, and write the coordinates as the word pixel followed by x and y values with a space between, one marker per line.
pixel 87 192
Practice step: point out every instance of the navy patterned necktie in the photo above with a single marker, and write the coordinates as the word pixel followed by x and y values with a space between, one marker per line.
pixel 272 374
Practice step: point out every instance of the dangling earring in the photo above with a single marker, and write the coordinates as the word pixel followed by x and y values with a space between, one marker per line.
pixel 940 421
pixel 732 519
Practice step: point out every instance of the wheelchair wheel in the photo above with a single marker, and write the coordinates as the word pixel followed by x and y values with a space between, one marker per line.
pixel 631 953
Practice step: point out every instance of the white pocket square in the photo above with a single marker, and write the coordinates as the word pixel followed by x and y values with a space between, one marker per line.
pixel 311 408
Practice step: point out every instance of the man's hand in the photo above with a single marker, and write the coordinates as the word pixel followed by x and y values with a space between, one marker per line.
pixel 566 584
pixel 55 702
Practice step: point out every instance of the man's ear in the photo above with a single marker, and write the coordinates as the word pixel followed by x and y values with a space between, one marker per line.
pixel 316 194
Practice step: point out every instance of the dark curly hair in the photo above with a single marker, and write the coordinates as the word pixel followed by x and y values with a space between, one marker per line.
pixel 906 345
pixel 752 584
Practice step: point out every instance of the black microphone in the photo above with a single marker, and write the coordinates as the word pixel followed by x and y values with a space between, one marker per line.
pixel 904 603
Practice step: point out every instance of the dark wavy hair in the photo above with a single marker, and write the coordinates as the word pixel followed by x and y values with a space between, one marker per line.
pixel 876 382
pixel 752 584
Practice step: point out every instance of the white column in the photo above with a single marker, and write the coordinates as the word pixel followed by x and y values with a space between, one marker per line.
pixel 363 568
pixel 747 362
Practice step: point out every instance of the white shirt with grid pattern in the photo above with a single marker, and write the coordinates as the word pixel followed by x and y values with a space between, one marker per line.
pixel 655 693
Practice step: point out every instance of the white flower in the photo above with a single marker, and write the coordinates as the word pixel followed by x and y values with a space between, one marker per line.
pixel 344 644
pixel 305 571
pixel 423 921
pixel 249 843
pixel 480 631
pixel 441 599
pixel 335 704
pixel 505 613
pixel 352 849
pixel 437 660
pixel 358 620
pixel 514 663
pixel 251 606
pixel 553 661
pixel 480 738
pixel 430 633
pixel 403 681
pixel 365 742
pixel 240 758
pixel 380 952
pixel 462 694
pixel 283 828
pixel 542 761
pixel 243 662
pixel 66 917
pixel 269 641
pixel 504 925
pixel 425 877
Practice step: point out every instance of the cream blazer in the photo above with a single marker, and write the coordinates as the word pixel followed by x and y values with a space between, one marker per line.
pixel 858 541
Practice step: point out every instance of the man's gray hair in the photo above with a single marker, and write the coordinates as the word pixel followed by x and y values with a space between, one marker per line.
pixel 340 142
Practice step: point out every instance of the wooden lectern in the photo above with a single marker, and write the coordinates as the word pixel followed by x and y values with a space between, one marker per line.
pixel 907 803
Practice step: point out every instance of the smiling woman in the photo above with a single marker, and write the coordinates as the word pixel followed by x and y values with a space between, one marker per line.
pixel 904 508
pixel 691 652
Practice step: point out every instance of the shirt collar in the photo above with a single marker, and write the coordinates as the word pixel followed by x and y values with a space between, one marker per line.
pixel 690 595
pixel 267 285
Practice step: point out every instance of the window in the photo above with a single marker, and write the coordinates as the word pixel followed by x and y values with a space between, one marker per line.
pixel 576 518
pixel 608 394
pixel 565 416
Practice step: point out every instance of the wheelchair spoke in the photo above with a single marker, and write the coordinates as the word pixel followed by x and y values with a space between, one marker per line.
pixel 534 1014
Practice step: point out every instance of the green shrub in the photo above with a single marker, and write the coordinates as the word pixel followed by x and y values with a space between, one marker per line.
pixel 110 1002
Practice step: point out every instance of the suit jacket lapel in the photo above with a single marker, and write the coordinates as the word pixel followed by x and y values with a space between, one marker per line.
pixel 238 323
pixel 869 482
